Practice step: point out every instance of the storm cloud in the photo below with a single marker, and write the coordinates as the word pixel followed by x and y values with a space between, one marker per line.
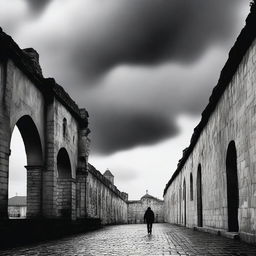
pixel 98 35
pixel 136 106
pixel 149 32
pixel 124 130
pixel 136 65
pixel 38 5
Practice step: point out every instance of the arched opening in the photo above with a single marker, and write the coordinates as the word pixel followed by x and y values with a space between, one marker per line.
pixel 180 207
pixel 64 127
pixel 199 197
pixel 26 183
pixel 191 187
pixel 17 187
pixel 31 138
pixel 64 191
pixel 232 188
pixel 63 164
pixel 184 204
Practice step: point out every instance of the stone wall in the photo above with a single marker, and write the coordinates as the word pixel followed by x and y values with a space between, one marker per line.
pixel 55 133
pixel 137 208
pixel 21 104
pixel 104 200
pixel 198 193
pixel 65 136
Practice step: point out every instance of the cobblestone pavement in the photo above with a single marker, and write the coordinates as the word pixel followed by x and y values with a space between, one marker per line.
pixel 130 240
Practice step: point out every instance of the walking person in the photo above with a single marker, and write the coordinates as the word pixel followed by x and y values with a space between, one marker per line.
pixel 149 218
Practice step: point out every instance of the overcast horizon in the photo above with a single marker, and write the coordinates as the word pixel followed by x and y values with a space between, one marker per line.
pixel 144 70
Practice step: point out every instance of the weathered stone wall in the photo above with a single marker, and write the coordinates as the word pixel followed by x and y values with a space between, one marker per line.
pixel 19 100
pixel 38 107
pixel 64 203
pixel 104 200
pixel 55 133
pixel 233 119
pixel 55 188
pixel 136 210
pixel 67 138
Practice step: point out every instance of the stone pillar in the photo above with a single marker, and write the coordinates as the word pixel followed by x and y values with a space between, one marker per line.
pixel 82 170
pixel 49 174
pixel 81 194
pixel 34 191
pixel 6 75
pixel 65 198
pixel 73 199
pixel 84 142
pixel 4 167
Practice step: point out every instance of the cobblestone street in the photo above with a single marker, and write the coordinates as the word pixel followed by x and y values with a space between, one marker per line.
pixel 133 240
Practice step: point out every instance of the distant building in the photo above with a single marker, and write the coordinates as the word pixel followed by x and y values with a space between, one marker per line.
pixel 108 175
pixel 17 207
pixel 137 208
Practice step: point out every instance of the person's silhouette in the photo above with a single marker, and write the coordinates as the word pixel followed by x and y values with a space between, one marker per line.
pixel 149 217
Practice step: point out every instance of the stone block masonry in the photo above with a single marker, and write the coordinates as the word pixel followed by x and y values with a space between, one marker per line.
pixel 214 184
pixel 104 200
pixel 34 192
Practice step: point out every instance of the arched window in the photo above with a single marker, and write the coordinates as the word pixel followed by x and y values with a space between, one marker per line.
pixel 232 188
pixel 64 127
pixel 184 203
pixel 191 187
pixel 199 197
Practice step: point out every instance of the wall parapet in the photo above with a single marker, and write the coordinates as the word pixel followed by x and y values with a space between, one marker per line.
pixel 236 54
pixel 106 182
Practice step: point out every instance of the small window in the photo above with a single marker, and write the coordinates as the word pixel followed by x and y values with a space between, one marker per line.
pixel 191 187
pixel 64 127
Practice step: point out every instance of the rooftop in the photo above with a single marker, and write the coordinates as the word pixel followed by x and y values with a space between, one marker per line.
pixel 17 201
pixel 108 173
pixel 148 196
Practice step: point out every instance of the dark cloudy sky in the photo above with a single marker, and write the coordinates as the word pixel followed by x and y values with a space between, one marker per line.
pixel 144 69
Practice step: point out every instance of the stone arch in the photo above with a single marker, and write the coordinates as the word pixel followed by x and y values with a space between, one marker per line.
pixel 34 154
pixel 63 164
pixel 64 184
pixel 199 197
pixel 232 188
pixel 191 187
pixel 31 139
pixel 184 203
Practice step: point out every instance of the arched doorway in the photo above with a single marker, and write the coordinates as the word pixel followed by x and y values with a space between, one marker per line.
pixel 184 204
pixel 232 188
pixel 34 162
pixel 199 197
pixel 64 191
